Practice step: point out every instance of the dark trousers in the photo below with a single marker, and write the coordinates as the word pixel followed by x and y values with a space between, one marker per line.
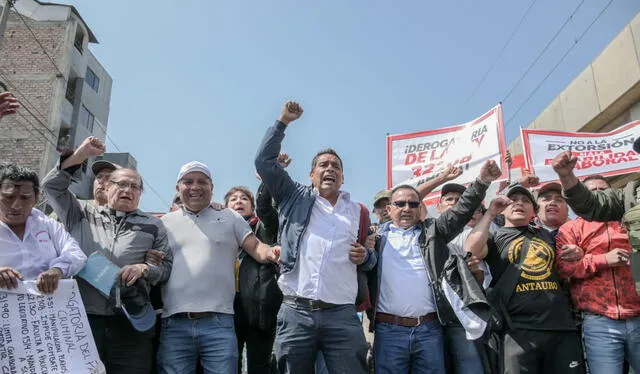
pixel 548 352
pixel 259 345
pixel 122 349
pixel 337 332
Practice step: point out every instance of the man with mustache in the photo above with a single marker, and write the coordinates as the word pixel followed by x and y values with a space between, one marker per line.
pixel 409 335
pixel 319 226
pixel 123 234
pixel 602 287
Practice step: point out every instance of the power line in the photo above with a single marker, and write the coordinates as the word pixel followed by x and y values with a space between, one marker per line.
pixel 495 61
pixel 560 61
pixel 119 150
pixel 535 61
pixel 99 124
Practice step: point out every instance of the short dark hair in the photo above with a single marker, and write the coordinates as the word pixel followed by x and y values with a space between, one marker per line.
pixel 17 173
pixel 596 177
pixel 244 190
pixel 404 187
pixel 328 151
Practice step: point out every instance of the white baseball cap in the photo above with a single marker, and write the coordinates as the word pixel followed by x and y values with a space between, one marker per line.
pixel 192 166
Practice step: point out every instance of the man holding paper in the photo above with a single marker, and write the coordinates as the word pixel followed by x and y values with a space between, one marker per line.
pixel 124 235
pixel 33 245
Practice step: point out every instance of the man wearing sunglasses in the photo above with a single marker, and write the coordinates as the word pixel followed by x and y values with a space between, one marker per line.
pixel 123 234
pixel 412 253
pixel 26 233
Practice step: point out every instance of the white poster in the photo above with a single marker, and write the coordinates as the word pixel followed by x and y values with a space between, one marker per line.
pixel 606 154
pixel 46 333
pixel 417 157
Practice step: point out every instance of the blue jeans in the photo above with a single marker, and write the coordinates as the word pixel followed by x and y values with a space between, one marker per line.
pixel 337 332
pixel 212 338
pixel 609 342
pixel 462 353
pixel 404 350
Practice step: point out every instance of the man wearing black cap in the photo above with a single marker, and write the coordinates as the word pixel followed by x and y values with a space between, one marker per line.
pixel 101 169
pixel 461 354
pixel 540 333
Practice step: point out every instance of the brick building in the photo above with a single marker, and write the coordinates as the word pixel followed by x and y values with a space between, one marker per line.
pixel 64 90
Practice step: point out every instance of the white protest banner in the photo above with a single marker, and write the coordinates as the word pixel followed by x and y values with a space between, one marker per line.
pixel 46 333
pixel 417 157
pixel 606 154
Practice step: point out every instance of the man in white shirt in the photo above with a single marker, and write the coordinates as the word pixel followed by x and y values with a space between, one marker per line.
pixel 32 245
pixel 320 259
pixel 197 319
pixel 408 302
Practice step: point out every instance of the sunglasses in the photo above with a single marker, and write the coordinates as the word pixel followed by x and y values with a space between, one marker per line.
pixel 402 204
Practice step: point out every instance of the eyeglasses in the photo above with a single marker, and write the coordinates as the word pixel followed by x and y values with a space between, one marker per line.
pixel 26 190
pixel 124 185
pixel 402 204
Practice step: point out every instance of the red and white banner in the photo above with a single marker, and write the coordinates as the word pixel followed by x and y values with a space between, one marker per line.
pixel 606 154
pixel 417 157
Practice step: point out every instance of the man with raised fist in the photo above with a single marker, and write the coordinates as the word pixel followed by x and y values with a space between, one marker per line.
pixel 123 234
pixel 320 232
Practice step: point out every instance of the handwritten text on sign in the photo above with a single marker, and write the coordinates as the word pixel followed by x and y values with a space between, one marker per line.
pixel 46 334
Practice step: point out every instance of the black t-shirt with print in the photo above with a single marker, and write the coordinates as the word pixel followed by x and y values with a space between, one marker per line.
pixel 538 302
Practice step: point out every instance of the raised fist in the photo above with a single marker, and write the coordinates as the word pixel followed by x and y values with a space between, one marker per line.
pixel 450 173
pixel 490 171
pixel 498 205
pixel 291 112
pixel 91 146
pixel 529 181
pixel 564 163
pixel 284 160
pixel 8 104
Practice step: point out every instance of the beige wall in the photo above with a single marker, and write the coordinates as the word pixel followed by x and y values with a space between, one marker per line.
pixel 604 96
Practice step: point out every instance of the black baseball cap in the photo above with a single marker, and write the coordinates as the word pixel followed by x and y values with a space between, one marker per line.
pixel 452 187
pixel 518 188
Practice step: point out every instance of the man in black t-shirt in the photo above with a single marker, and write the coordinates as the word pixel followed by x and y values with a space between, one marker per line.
pixel 542 336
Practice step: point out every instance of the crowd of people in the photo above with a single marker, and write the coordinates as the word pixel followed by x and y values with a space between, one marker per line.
pixel 507 286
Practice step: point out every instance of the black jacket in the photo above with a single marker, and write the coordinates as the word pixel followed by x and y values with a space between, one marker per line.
pixel 435 233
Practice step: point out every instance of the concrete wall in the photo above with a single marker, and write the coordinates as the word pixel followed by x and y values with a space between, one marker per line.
pixel 605 95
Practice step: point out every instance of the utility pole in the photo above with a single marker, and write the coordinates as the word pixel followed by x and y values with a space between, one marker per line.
pixel 3 19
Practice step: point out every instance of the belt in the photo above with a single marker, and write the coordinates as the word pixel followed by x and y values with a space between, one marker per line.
pixel 405 321
pixel 308 304
pixel 193 315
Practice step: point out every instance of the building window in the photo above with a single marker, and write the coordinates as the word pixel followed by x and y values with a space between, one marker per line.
pixel 71 90
pixel 92 79
pixel 86 118
pixel 79 40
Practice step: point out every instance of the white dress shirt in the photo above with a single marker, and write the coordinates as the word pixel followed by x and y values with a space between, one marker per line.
pixel 46 244
pixel 405 290
pixel 323 270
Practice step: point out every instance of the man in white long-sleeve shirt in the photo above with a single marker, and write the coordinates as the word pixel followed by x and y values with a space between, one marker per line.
pixel 32 245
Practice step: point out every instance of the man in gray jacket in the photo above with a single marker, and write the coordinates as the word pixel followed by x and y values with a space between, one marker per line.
pixel 123 234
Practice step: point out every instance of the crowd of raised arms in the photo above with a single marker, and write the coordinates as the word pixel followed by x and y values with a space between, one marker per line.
pixel 298 278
